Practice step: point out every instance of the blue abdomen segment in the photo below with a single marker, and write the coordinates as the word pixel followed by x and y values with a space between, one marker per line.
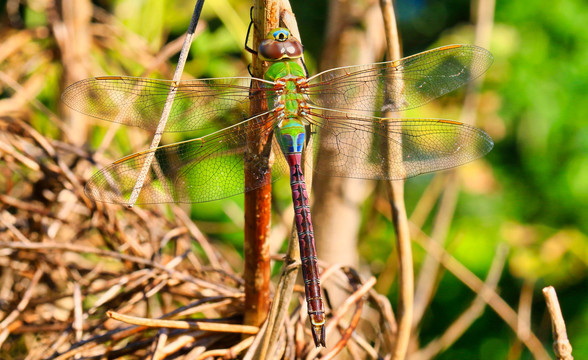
pixel 291 135
pixel 300 142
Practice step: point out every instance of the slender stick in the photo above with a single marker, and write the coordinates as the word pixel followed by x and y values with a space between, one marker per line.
pixel 561 344
pixel 182 324
pixel 168 104
pixel 524 315
pixel 283 295
pixel 396 191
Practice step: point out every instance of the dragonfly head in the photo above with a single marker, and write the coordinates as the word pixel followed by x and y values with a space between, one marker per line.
pixel 279 44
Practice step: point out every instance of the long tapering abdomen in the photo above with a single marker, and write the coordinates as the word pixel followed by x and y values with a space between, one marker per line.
pixel 312 283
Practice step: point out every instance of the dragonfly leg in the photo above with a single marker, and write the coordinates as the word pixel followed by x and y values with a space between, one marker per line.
pixel 248 32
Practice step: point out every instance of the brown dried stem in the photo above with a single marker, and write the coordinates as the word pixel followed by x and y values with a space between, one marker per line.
pixel 561 344
pixel 168 103
pixel 399 217
pixel 258 201
pixel 182 324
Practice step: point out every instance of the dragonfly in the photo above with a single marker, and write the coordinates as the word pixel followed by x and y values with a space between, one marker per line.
pixel 342 109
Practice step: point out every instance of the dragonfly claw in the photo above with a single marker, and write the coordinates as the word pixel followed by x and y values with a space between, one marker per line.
pixel 318 334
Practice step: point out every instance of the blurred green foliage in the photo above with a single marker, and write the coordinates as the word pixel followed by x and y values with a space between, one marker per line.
pixel 536 197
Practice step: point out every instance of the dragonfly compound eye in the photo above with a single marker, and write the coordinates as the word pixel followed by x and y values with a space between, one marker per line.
pixel 278 45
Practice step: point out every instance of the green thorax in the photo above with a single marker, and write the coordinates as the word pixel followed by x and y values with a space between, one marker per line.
pixel 283 69
pixel 290 130
pixel 289 72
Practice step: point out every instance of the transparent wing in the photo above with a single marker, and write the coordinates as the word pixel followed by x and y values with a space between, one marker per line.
pixel 398 85
pixel 197 170
pixel 353 146
pixel 198 104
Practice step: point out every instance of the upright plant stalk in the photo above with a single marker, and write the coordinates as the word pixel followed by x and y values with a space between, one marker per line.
pixel 396 191
pixel 427 280
pixel 168 104
pixel 258 201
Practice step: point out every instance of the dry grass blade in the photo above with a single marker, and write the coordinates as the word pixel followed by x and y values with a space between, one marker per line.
pixel 177 324
pixel 168 102
pixel 281 301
